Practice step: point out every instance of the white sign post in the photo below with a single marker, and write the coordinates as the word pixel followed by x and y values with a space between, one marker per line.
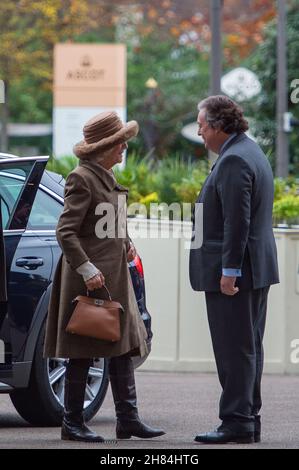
pixel 2 92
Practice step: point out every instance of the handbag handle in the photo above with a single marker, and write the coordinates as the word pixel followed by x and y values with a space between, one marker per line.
pixel 105 287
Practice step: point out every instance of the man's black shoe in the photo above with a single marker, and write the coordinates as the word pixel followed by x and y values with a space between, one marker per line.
pixel 257 428
pixel 224 436
pixel 257 436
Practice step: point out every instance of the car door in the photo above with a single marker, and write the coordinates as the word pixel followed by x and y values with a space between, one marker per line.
pixel 43 219
pixel 3 290
pixel 19 182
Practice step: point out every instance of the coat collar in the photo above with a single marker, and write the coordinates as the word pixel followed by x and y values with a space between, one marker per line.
pixel 238 138
pixel 230 142
pixel 107 177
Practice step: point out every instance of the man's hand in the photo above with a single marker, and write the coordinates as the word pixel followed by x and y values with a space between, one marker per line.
pixel 131 253
pixel 227 285
pixel 96 282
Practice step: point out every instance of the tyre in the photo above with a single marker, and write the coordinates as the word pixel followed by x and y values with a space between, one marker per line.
pixel 41 403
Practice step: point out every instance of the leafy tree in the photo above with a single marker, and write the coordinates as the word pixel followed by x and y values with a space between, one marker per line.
pixel 263 108
pixel 167 40
pixel 181 76
pixel 188 21
pixel 29 30
pixel 243 24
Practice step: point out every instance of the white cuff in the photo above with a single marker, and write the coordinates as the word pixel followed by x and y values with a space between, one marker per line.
pixel 87 270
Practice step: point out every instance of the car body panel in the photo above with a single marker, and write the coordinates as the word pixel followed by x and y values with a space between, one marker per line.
pixel 16 199
pixel 32 253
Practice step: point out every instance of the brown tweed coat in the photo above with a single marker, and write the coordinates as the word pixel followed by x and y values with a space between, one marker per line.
pixel 77 233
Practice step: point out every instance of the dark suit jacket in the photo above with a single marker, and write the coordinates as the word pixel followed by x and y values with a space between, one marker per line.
pixel 3 294
pixel 237 200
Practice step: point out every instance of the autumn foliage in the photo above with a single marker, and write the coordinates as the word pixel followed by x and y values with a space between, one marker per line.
pixel 188 21
pixel 30 28
pixel 156 33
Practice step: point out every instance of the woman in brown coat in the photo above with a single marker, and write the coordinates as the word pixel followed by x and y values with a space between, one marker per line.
pixel 92 233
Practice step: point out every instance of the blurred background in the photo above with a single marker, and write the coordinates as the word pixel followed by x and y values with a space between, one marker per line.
pixel 169 50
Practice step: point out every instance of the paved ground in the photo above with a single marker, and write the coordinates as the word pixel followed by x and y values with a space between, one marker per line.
pixel 183 404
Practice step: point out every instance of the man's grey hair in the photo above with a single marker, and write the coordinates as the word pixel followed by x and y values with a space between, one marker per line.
pixel 223 113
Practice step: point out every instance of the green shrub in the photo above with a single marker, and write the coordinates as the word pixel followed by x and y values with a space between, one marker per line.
pixel 169 174
pixel 63 166
pixel 286 201
pixel 188 188
pixel 174 180
pixel 286 210
pixel 137 176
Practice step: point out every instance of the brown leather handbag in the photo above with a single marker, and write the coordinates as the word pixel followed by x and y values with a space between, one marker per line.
pixel 96 318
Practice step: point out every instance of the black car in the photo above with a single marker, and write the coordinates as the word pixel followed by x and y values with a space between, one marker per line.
pixel 31 202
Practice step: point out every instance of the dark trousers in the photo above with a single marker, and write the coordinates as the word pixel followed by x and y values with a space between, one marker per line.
pixel 237 325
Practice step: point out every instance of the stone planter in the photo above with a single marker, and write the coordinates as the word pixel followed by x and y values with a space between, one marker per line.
pixel 181 337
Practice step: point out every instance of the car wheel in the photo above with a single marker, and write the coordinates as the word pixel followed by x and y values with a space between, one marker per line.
pixel 42 402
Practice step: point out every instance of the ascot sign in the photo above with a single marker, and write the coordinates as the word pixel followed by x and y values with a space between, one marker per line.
pixel 85 72
pixel 88 79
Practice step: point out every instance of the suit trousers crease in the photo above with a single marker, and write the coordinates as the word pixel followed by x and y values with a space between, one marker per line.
pixel 237 325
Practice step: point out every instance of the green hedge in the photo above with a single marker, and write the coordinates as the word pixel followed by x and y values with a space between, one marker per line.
pixel 174 180
pixel 286 201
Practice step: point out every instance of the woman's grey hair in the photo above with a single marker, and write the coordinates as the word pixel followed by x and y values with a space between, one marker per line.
pixel 223 113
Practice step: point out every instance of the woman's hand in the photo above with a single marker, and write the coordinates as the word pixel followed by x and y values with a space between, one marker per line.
pixel 131 253
pixel 96 282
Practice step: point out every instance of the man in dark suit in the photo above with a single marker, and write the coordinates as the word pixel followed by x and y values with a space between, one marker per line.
pixel 235 265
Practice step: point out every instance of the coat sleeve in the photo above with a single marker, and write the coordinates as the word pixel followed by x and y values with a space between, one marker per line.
pixel 234 187
pixel 77 199
pixel 128 240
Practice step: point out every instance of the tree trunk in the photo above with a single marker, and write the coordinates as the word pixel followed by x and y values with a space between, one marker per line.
pixel 4 120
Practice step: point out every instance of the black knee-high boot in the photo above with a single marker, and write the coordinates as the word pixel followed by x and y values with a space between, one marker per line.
pixel 122 380
pixel 73 426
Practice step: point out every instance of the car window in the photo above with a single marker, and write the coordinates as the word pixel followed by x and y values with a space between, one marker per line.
pixel 4 212
pixel 45 212
pixel 10 189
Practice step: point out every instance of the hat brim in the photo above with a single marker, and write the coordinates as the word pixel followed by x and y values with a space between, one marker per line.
pixel 130 130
